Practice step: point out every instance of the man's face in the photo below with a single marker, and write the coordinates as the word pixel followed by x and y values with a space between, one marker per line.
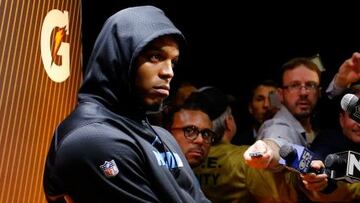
pixel 195 150
pixel 155 70
pixel 260 107
pixel 300 91
pixel 350 128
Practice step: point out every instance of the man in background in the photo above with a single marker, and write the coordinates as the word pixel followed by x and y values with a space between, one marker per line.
pixel 263 105
pixel 192 129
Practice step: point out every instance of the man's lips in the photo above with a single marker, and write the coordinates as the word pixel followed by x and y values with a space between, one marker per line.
pixel 196 152
pixel 303 103
pixel 163 90
pixel 356 131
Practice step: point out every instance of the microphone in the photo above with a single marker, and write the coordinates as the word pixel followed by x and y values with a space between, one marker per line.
pixel 350 103
pixel 344 166
pixel 297 158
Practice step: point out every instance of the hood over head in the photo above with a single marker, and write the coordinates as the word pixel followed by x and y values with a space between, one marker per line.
pixel 109 75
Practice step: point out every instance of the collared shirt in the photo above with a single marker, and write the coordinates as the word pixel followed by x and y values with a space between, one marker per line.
pixel 283 128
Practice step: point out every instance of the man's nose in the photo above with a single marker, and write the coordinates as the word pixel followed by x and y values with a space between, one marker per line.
pixel 167 69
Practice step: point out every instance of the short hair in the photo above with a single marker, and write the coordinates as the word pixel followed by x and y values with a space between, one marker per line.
pixel 267 83
pixel 170 111
pixel 298 61
pixel 219 124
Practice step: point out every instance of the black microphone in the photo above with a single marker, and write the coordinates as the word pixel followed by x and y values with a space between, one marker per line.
pixel 298 158
pixel 344 166
pixel 351 104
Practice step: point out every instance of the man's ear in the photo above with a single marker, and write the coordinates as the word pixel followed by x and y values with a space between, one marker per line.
pixel 228 121
pixel 231 123
pixel 230 127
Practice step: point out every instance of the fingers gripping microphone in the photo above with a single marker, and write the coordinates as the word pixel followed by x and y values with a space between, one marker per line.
pixel 344 166
pixel 351 104
pixel 298 158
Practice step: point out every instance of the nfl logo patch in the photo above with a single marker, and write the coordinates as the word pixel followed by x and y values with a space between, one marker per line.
pixel 110 168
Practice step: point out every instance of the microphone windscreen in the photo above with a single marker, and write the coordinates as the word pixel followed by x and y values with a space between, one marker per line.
pixel 330 160
pixel 348 101
pixel 334 161
pixel 288 153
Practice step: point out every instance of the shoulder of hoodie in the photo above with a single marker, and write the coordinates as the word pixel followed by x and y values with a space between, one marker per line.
pixel 97 137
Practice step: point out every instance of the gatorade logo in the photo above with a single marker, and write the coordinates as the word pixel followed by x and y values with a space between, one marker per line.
pixel 51 47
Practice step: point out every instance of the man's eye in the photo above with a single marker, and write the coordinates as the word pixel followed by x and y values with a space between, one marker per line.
pixel 311 85
pixel 189 130
pixel 155 58
pixel 259 99
pixel 295 85
pixel 205 133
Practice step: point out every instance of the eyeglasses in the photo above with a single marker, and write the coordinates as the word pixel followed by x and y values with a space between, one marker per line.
pixel 192 132
pixel 309 86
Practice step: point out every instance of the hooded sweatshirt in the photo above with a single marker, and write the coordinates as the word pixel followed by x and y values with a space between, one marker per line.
pixel 105 150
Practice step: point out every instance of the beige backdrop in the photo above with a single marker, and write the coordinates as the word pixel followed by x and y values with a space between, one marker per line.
pixel 31 103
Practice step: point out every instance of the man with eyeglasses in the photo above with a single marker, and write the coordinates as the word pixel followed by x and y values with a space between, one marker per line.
pixel 223 175
pixel 192 129
pixel 292 123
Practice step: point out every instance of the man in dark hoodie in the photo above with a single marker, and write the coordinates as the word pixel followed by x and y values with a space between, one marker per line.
pixel 105 150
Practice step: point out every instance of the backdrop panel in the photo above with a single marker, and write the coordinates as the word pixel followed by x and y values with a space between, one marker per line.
pixel 40 72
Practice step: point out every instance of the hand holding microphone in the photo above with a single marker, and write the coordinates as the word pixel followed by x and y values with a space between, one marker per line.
pixel 344 166
pixel 312 172
pixel 316 181
pixel 298 158
pixel 258 155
